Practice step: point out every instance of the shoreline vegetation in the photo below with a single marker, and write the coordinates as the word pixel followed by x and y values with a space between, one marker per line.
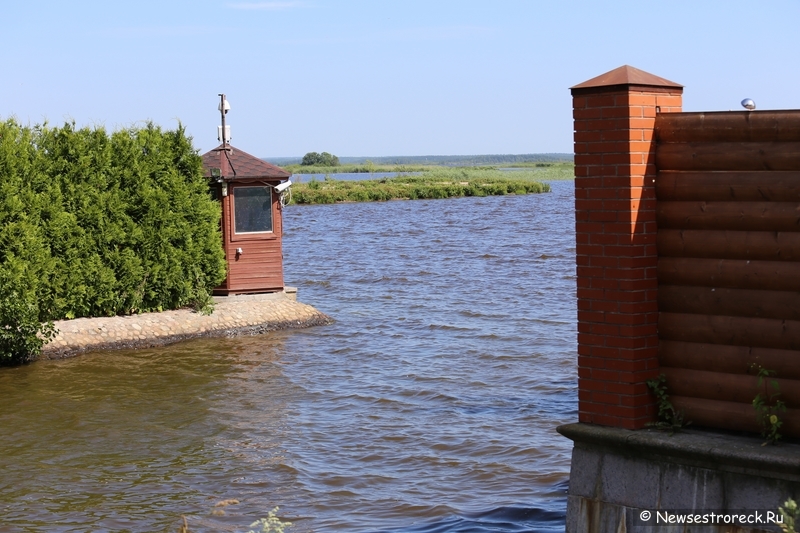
pixel 555 169
pixel 494 160
pixel 84 231
pixel 438 182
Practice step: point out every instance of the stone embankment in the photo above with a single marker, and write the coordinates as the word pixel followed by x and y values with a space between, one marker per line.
pixel 232 316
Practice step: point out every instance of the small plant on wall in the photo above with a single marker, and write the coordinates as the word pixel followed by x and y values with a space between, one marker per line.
pixel 669 418
pixel 768 405
pixel 790 515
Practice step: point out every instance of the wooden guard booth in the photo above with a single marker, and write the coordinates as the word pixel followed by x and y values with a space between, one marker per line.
pixel 251 219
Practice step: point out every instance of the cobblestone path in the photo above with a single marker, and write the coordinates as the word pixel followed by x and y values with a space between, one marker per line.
pixel 233 315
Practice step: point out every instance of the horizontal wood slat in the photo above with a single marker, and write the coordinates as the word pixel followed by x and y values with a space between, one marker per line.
pixel 264 240
pixel 258 267
pixel 738 216
pixel 723 244
pixel 252 250
pixel 255 254
pixel 728 387
pixel 729 359
pixel 731 126
pixel 733 273
pixel 257 261
pixel 271 281
pixel 730 302
pixel 753 186
pixel 731 415
pixel 729 156
pixel 252 272
pixel 737 331
pixel 256 290
pixel 256 285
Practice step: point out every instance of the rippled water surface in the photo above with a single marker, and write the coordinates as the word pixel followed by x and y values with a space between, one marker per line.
pixel 429 406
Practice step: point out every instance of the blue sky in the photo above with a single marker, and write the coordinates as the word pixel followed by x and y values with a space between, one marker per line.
pixel 377 78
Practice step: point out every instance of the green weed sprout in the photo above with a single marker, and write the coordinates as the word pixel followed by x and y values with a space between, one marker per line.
pixel 270 524
pixel 767 406
pixel 791 516
pixel 669 418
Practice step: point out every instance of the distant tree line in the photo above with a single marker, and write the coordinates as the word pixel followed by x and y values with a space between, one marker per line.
pixel 444 160
pixel 93 224
pixel 313 159
pixel 465 160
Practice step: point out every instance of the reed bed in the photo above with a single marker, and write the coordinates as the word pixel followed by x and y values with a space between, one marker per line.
pixel 546 171
pixel 560 170
pixel 439 183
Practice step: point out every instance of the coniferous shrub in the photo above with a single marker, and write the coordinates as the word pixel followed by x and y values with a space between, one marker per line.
pixel 93 224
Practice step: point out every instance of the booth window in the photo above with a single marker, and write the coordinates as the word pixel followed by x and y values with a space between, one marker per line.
pixel 252 209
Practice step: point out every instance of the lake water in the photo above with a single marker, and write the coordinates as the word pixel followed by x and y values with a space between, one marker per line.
pixel 429 406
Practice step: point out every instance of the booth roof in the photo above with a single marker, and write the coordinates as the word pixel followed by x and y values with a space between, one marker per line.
pixel 236 164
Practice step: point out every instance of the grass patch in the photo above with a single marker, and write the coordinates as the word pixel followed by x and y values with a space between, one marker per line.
pixel 544 171
pixel 438 183
pixel 539 171
pixel 354 169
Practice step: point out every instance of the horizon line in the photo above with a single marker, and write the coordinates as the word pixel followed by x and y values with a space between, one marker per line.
pixel 431 155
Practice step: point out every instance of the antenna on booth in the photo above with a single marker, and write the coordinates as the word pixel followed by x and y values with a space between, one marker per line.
pixel 223 132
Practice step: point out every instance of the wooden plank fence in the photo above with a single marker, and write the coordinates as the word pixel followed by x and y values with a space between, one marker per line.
pixel 728 217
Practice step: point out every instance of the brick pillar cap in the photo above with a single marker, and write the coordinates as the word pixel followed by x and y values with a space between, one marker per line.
pixel 626 75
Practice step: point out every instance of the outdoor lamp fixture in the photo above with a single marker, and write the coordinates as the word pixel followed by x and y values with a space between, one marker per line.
pixel 748 104
pixel 216 174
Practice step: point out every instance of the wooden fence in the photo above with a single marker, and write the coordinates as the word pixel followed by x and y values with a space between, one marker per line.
pixel 728 216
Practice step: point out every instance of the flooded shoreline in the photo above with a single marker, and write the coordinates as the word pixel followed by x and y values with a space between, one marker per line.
pixel 430 405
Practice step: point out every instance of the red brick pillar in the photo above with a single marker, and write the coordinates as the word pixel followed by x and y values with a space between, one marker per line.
pixel 615 215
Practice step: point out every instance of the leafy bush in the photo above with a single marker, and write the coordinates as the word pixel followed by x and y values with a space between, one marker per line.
pixel 21 334
pixel 93 224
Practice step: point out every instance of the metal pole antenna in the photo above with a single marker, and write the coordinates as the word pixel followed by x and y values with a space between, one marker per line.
pixel 222 112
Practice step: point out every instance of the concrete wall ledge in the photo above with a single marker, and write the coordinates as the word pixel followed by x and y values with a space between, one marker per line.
pixel 619 476
pixel 696 447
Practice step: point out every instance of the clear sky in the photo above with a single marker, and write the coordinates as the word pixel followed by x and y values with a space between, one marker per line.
pixel 381 77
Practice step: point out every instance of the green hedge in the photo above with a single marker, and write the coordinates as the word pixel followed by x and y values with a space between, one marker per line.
pixel 93 224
